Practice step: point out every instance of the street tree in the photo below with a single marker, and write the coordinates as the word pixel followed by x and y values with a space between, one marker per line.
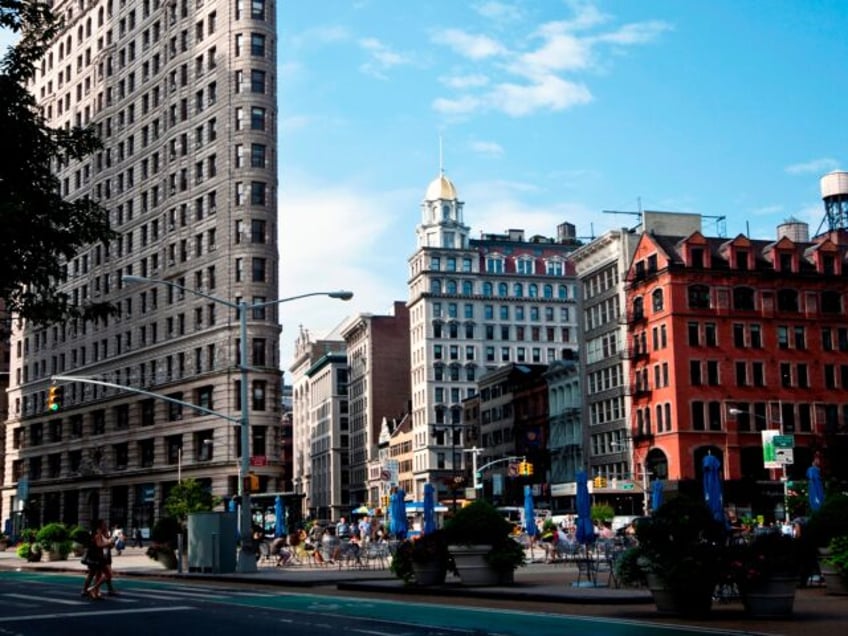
pixel 189 496
pixel 42 229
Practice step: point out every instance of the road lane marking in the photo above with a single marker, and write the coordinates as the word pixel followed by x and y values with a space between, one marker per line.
pixel 42 616
pixel 60 601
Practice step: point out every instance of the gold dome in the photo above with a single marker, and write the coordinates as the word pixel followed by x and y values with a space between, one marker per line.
pixel 441 188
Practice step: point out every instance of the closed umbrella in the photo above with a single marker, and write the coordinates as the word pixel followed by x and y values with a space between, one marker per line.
pixel 656 495
pixel 529 516
pixel 397 514
pixel 429 524
pixel 279 517
pixel 815 487
pixel 712 488
pixel 585 532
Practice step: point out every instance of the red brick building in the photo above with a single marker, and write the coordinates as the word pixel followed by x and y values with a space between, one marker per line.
pixel 731 336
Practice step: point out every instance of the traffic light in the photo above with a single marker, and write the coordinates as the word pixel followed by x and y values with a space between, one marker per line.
pixel 251 483
pixel 55 395
pixel 528 468
pixel 599 481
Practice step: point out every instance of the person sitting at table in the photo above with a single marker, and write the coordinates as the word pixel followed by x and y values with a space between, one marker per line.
pixel 280 551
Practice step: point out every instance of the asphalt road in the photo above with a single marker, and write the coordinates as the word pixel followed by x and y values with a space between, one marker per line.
pixel 46 604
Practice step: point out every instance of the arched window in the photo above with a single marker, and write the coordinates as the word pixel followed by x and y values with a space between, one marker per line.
pixel 787 300
pixel 533 290
pixel 451 289
pixel 699 297
pixel 831 302
pixel 503 289
pixel 743 299
pixel 518 290
pixel 548 291
pixel 563 291
pixel 487 289
pixel 436 286
pixel 467 287
pixel 657 300
pixel 638 308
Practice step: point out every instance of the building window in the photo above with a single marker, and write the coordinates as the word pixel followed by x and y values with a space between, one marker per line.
pixel 787 300
pixel 657 299
pixel 831 302
pixel 699 297
pixel 743 299
pixel 698 416
pixel 258 397
pixel 695 372
pixel 257 81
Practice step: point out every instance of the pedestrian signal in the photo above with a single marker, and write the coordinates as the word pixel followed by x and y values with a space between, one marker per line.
pixel 251 483
pixel 55 395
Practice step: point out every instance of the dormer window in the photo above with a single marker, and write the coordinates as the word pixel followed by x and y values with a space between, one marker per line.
pixel 652 264
pixel 524 266
pixel 785 261
pixel 495 264
pixel 828 264
pixel 742 260
pixel 696 257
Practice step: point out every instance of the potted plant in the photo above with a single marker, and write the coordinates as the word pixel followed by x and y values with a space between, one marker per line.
pixel 80 538
pixel 766 572
pixel 836 561
pixel 480 540
pixel 29 551
pixel 679 555
pixel 54 541
pixel 423 560
pixel 4 541
pixel 163 542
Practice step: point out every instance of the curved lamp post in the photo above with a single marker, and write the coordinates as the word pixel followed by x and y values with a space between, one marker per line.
pixel 247 557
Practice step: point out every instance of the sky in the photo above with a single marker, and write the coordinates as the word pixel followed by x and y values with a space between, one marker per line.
pixel 541 112
pixel 547 111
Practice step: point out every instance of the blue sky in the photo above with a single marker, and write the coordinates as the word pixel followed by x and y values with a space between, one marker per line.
pixel 548 111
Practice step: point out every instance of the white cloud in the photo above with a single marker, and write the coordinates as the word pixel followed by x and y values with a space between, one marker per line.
pixel 338 236
pixel 487 148
pixel 560 47
pixel 381 59
pixel 563 52
pixel 326 34
pixel 475 47
pixel 463 105
pixel 549 93
pixel 498 11
pixel 815 166
pixel 465 81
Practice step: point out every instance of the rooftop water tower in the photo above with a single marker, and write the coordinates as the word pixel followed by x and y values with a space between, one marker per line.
pixel 834 191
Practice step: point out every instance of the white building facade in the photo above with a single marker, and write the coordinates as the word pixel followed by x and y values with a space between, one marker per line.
pixel 474 305
pixel 183 96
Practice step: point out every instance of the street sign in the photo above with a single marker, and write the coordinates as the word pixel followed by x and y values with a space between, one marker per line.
pixel 784 455
pixel 259 460
pixel 625 485
pixel 784 441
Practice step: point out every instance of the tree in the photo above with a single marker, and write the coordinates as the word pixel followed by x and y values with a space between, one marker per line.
pixel 41 229
pixel 189 496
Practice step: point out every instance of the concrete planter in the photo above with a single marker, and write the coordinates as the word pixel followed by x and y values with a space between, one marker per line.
pixel 694 601
pixel 774 597
pixel 429 573
pixel 472 567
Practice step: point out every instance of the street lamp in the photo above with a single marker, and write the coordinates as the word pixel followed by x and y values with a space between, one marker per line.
pixel 784 477
pixel 246 558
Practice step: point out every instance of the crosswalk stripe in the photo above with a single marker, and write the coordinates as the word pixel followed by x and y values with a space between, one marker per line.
pixel 30 598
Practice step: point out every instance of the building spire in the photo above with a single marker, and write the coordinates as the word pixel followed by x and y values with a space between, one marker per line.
pixel 441 158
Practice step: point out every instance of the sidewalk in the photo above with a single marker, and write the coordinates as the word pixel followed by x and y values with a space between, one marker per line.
pixel 538 587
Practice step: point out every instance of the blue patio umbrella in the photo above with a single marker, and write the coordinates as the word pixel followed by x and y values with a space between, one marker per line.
pixel 656 495
pixel 397 514
pixel 232 505
pixel 429 510
pixel 280 517
pixel 712 488
pixel 529 516
pixel 585 532
pixel 815 487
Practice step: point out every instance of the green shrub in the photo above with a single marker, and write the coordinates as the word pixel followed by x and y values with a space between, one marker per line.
pixel 54 537
pixel 477 523
pixel 29 551
pixel 165 531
